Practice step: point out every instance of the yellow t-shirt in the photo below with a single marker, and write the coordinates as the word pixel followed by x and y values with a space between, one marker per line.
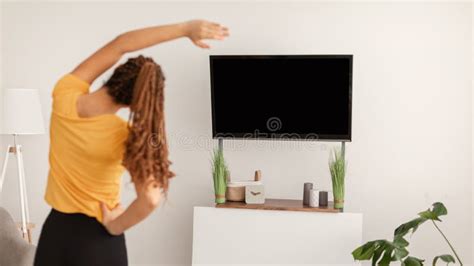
pixel 85 155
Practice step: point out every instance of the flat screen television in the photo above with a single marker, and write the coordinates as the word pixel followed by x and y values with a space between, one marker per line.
pixel 302 97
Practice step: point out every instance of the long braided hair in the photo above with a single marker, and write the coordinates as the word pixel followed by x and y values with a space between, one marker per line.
pixel 139 83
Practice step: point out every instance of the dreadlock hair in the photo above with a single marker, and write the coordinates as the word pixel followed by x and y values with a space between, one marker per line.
pixel 139 84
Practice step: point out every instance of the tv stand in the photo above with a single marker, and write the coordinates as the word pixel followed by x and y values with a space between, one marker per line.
pixel 259 237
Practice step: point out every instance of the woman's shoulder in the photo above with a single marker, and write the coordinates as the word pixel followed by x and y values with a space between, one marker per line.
pixel 65 94
pixel 70 83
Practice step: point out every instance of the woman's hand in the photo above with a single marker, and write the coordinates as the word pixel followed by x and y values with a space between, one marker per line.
pixel 117 220
pixel 109 216
pixel 199 30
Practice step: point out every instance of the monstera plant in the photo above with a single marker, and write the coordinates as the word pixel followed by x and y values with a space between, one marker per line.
pixel 383 252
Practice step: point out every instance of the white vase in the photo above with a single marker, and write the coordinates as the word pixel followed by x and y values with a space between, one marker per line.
pixel 314 198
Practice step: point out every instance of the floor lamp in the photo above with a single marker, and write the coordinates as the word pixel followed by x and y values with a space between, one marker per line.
pixel 21 116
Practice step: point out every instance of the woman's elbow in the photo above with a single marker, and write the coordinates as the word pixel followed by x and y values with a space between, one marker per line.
pixel 149 194
pixel 152 203
pixel 120 43
pixel 149 203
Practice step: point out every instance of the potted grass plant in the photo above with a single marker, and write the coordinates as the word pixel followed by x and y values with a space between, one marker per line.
pixel 220 173
pixel 337 167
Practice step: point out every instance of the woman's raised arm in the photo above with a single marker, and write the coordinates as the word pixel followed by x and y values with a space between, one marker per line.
pixel 108 55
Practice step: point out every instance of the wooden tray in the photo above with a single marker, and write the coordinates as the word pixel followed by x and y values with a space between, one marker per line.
pixel 278 205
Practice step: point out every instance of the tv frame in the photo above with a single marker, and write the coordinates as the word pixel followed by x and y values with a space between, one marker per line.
pixel 282 136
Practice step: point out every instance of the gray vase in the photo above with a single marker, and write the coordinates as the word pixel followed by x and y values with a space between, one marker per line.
pixel 307 188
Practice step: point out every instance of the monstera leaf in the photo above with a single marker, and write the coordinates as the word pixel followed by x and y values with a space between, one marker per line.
pixel 382 252
pixel 412 261
pixel 412 225
pixel 433 214
pixel 446 258
pixel 437 210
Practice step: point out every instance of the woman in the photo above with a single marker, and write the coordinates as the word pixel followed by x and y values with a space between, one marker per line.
pixel 90 147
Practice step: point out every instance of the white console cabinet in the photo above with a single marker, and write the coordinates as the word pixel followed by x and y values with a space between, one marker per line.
pixel 255 237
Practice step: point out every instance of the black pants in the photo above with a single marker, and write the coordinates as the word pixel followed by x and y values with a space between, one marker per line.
pixel 78 240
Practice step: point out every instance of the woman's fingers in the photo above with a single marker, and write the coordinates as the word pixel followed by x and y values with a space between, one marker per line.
pixel 217 25
pixel 201 44
pixel 104 208
pixel 213 34
pixel 108 216
pixel 216 31
pixel 106 212
pixel 118 208
pixel 210 35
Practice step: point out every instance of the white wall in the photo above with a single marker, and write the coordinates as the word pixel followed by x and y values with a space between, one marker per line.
pixel 411 119
pixel 472 118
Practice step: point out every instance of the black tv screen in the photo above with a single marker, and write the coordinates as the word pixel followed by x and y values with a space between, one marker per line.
pixel 281 96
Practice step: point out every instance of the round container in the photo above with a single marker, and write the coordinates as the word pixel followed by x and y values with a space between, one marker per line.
pixel 236 190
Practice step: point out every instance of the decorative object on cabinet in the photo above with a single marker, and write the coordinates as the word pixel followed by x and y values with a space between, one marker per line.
pixel 337 167
pixel 255 194
pixel 220 174
pixel 236 189
pixel 306 188
pixel 314 198
pixel 258 175
pixel 323 198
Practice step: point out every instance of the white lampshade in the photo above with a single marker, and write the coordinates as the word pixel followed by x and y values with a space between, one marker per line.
pixel 22 112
